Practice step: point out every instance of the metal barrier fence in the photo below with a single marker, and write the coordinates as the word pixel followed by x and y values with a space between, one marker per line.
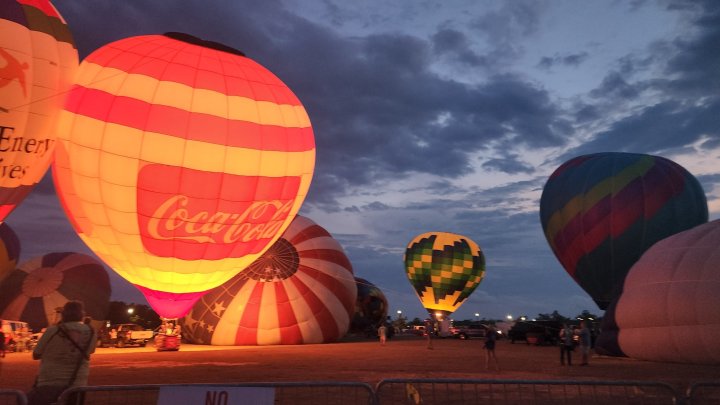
pixel 506 392
pixel 704 393
pixel 12 397
pixel 331 393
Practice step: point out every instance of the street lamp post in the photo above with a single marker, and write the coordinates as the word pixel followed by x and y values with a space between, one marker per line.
pixel 477 316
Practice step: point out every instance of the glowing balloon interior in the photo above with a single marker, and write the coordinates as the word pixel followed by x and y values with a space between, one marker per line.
pixel 301 290
pixel 444 268
pixel 600 213
pixel 180 162
pixel 37 61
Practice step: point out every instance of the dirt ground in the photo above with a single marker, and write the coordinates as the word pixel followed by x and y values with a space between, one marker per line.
pixel 355 360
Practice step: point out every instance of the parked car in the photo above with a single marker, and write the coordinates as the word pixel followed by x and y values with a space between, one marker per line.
pixel 468 331
pixel 536 332
pixel 124 334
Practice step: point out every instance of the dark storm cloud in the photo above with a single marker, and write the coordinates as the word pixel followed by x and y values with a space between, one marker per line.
pixel 574 60
pixel 378 110
pixel 510 164
pixel 455 44
pixel 686 97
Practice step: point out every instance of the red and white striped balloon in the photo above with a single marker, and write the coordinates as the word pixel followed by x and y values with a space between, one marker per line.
pixel 302 290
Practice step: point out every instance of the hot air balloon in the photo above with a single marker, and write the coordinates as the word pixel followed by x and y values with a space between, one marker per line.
pixel 179 162
pixel 600 212
pixel 35 290
pixel 669 309
pixel 444 268
pixel 301 290
pixel 371 307
pixel 9 250
pixel 37 61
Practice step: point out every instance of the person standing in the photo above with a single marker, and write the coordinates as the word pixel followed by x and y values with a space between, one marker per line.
pixel 2 344
pixel 429 330
pixel 585 342
pixel 566 344
pixel 64 353
pixel 490 339
pixel 382 333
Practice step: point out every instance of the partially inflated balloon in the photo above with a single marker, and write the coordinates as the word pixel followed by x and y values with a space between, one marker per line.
pixel 301 290
pixel 669 309
pixel 9 250
pixel 600 213
pixel 180 162
pixel 34 291
pixel 444 268
pixel 371 307
pixel 37 61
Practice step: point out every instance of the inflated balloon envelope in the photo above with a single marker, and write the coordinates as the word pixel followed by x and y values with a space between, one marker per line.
pixel 37 61
pixel 601 212
pixel 444 269
pixel 180 162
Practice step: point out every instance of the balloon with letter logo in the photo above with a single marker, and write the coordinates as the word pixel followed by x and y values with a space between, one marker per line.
pixel 37 61
pixel 444 268
pixel 600 212
pixel 9 250
pixel 300 291
pixel 34 291
pixel 179 162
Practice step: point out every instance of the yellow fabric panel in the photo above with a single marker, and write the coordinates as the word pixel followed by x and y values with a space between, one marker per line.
pixel 132 139
pixel 209 102
pixel 268 322
pixel 119 170
pixel 137 86
pixel 84 131
pixel 211 157
pixel 163 149
pixel 88 188
pixel 173 94
pixel 242 108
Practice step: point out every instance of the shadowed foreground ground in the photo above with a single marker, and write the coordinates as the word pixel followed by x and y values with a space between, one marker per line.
pixel 361 361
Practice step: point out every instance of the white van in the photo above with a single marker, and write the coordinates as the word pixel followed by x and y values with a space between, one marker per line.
pixel 17 333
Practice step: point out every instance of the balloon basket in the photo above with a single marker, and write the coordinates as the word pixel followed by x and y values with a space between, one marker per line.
pixel 165 343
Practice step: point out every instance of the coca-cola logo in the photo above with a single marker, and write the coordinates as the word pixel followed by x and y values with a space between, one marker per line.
pixel 191 214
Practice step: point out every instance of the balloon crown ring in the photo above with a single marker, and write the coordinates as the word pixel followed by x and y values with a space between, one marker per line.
pixel 190 39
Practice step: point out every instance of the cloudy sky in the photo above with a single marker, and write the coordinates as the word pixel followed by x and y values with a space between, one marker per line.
pixel 449 116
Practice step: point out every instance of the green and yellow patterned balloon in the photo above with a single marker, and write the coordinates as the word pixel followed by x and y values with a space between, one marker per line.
pixel 444 268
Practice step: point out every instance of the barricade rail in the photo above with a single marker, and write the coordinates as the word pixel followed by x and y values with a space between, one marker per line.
pixel 394 391
pixel 331 393
pixel 12 397
pixel 702 393
pixel 522 392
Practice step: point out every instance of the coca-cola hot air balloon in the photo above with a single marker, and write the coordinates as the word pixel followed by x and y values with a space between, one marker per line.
pixel 444 269
pixel 37 61
pixel 301 290
pixel 669 309
pixel 179 162
pixel 600 212
pixel 35 290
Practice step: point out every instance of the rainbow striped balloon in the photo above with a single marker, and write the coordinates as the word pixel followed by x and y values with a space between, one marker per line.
pixel 302 290
pixel 600 212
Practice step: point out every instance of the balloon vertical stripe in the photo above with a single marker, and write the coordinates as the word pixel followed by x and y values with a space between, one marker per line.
pixel 301 290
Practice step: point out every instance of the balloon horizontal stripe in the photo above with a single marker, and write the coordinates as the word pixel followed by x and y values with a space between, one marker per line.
pixel 160 58
pixel 172 121
pixel 586 232
pixel 586 201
